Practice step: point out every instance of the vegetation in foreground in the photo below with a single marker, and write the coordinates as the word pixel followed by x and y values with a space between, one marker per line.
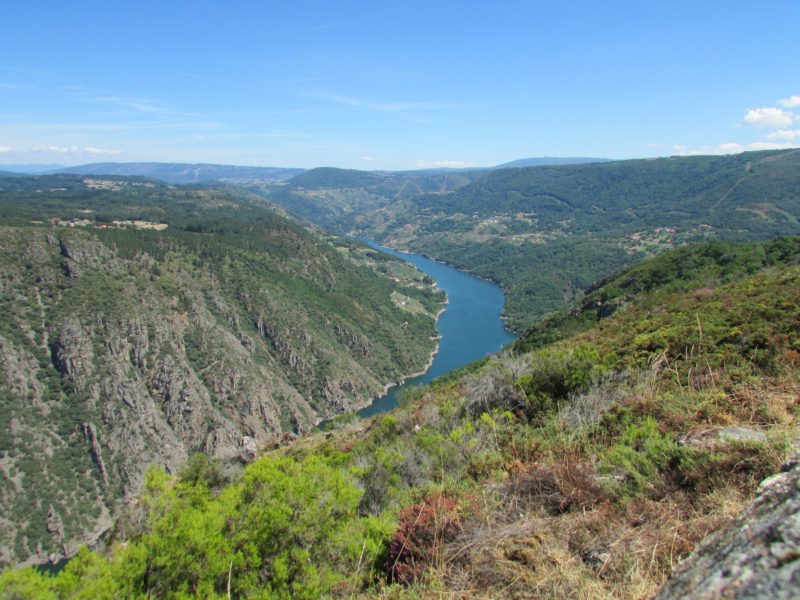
pixel 585 468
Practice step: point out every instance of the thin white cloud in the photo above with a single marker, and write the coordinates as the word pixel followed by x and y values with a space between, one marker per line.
pixel 72 150
pixel 6 149
pixel 83 126
pixel 769 146
pixel 13 86
pixel 387 106
pixel 217 81
pixel 139 106
pixel 92 150
pixel 444 164
pixel 790 102
pixel 785 134
pixel 143 105
pixel 769 117
pixel 731 148
pixel 299 30
pixel 175 124
pixel 56 149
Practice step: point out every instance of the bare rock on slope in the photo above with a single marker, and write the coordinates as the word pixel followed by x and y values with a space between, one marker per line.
pixel 756 556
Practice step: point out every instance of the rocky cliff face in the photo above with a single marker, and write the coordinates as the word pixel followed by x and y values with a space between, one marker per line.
pixel 113 359
pixel 756 556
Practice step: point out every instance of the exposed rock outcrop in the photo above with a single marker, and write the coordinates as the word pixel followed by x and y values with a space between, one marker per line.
pixel 111 363
pixel 756 556
pixel 90 433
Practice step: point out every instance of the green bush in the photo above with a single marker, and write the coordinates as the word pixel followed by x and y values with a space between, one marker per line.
pixel 642 453
pixel 558 371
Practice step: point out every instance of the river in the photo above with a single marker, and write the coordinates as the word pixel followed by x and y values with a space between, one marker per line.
pixel 470 327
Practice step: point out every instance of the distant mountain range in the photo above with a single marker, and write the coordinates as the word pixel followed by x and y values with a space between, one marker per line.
pixel 187 173
pixel 550 161
pixel 183 173
pixel 547 232
pixel 31 168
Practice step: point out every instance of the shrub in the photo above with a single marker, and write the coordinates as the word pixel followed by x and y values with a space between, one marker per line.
pixel 494 388
pixel 642 452
pixel 558 488
pixel 202 469
pixel 26 583
pixel 286 523
pixel 422 531
pixel 587 407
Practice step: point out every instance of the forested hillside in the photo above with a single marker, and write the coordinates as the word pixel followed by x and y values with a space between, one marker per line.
pixel 341 199
pixel 549 160
pixel 587 468
pixel 140 323
pixel 546 233
pixel 688 267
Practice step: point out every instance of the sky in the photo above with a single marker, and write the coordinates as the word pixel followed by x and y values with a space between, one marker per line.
pixel 394 85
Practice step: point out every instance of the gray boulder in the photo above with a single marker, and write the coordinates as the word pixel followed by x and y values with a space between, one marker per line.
pixel 756 556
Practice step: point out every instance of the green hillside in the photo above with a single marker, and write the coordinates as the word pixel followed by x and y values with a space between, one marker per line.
pixel 689 267
pixel 330 177
pixel 586 468
pixel 140 323
pixel 549 161
pixel 340 199
pixel 547 233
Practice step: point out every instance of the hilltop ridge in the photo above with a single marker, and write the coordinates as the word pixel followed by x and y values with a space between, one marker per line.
pixel 547 233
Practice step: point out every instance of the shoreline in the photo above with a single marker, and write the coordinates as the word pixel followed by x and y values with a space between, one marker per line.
pixel 385 400
pixel 440 261
pixel 499 284
pixel 419 373
pixel 392 384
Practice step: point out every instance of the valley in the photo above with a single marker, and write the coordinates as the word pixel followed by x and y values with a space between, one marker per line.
pixel 169 349
pixel 588 467
pixel 399 301
pixel 470 327
pixel 547 233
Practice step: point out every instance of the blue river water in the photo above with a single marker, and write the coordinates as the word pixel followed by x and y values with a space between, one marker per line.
pixel 470 327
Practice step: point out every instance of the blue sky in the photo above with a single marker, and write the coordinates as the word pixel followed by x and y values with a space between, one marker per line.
pixel 393 85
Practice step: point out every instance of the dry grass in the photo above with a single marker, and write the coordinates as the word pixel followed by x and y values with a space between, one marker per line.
pixel 551 530
pixel 607 552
